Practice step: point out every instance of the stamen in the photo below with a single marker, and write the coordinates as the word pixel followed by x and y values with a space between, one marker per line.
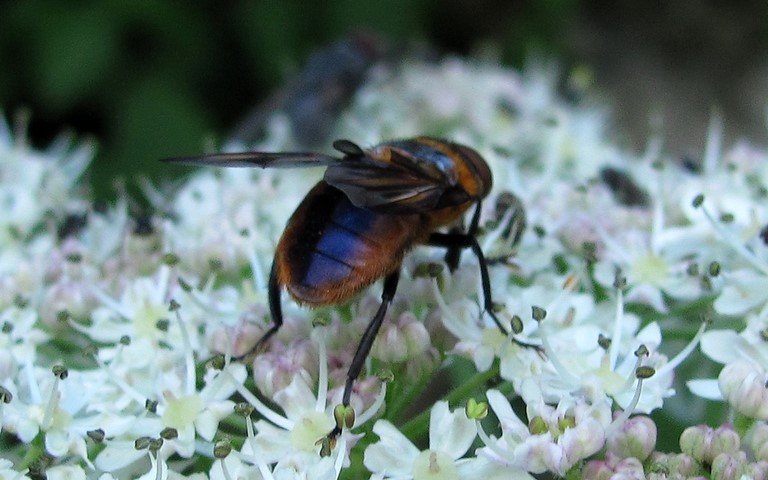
pixel 714 143
pixel 490 443
pixel 20 127
pixel 638 363
pixel 259 282
pixel 189 360
pixel 618 327
pixel 738 247
pixel 254 458
pixel 322 373
pixel 53 400
pixel 157 464
pixel 341 448
pixel 222 464
pixel 619 421
pixel 118 381
pixel 552 356
pixel 371 411
pixel 265 411
pixel 684 353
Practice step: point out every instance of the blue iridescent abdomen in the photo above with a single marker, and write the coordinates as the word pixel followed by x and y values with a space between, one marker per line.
pixel 331 249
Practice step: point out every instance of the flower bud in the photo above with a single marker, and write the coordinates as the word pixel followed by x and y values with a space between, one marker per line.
pixel 704 444
pixel 727 466
pixel 759 441
pixel 726 440
pixel 629 468
pixel 635 438
pixel 676 465
pixel 743 386
pixel 697 442
pixel 405 339
pixel 597 470
pixel 757 470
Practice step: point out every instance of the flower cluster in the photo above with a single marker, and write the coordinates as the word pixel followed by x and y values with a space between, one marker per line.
pixel 122 338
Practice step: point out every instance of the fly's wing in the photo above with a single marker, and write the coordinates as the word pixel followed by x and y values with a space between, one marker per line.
pixel 258 159
pixel 402 184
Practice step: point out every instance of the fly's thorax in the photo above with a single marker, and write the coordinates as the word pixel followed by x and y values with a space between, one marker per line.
pixel 442 217
pixel 474 174
pixel 458 165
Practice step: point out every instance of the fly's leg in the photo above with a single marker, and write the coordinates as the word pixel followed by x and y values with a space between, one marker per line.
pixel 363 349
pixel 275 311
pixel 465 240
pixel 453 252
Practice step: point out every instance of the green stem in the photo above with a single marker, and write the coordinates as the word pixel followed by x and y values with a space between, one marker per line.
pixel 34 451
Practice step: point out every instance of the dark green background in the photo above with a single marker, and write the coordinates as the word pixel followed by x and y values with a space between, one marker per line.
pixel 149 79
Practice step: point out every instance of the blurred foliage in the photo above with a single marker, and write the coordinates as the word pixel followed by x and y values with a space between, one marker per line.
pixel 156 78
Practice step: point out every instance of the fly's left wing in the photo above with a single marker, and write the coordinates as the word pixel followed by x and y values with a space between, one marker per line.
pixel 258 159
pixel 399 177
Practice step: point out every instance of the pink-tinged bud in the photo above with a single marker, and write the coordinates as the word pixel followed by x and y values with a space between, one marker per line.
pixel 73 297
pixel 274 370
pixel 729 466
pixel 675 464
pixel 704 444
pixel 726 440
pixel 405 339
pixel 629 469
pixel 743 386
pixel 759 441
pixel 697 442
pixel 597 470
pixel 635 438
pixel 757 470
pixel 242 337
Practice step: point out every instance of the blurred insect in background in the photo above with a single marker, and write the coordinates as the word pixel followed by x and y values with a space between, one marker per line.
pixel 319 91
pixel 356 225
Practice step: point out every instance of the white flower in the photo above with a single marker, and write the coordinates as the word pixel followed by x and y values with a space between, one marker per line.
pixel 450 436
pixel 291 440
pixel 562 436
pixel 25 173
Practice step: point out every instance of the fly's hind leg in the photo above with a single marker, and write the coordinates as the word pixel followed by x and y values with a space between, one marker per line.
pixel 275 311
pixel 363 349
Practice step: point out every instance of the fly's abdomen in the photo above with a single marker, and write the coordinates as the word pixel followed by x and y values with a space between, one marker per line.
pixel 332 249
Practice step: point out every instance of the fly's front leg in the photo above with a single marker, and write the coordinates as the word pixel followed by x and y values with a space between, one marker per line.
pixel 363 349
pixel 453 253
pixel 451 240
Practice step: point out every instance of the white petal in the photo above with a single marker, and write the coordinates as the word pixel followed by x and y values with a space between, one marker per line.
pixel 117 455
pixel 719 345
pixel 207 422
pixel 745 290
pixel 510 422
pixel 450 432
pixel 296 399
pixel 56 443
pixel 393 454
pixel 65 472
pixel 488 470
pixel 705 388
